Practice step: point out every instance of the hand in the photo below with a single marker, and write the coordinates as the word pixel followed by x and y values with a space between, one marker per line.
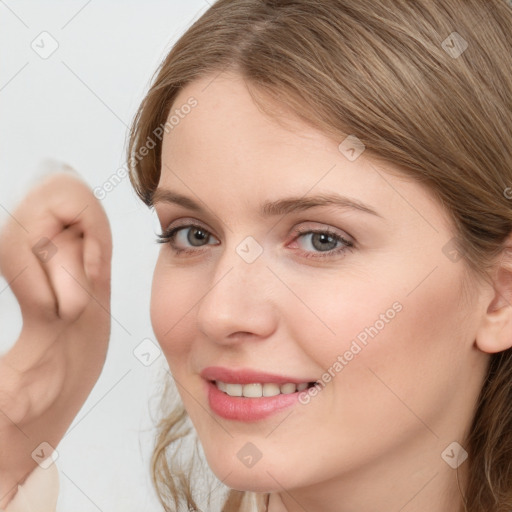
pixel 55 253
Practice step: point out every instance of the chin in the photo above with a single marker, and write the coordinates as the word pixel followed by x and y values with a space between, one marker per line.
pixel 262 477
pixel 252 483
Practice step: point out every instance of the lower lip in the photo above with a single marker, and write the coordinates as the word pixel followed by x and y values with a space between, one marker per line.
pixel 240 408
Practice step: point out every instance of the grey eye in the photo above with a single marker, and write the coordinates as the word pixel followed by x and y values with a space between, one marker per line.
pixel 319 241
pixel 195 236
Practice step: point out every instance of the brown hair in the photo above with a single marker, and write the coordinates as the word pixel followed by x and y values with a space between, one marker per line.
pixel 426 85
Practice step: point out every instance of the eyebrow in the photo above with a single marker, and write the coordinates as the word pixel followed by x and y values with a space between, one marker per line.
pixel 273 208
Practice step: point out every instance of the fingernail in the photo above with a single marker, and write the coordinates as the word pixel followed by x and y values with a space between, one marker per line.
pixel 49 166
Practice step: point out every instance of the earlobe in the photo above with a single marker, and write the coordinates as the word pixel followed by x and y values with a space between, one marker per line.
pixel 495 331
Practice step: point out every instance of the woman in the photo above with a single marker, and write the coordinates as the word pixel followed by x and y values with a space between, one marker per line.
pixel 333 294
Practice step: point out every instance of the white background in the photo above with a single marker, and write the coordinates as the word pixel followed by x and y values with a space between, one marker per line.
pixel 75 106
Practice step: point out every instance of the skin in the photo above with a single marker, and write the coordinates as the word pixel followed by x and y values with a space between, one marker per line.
pixel 64 297
pixel 372 439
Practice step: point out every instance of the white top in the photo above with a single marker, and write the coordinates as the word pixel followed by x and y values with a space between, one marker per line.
pixel 39 493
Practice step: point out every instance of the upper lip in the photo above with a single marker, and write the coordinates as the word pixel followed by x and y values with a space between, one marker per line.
pixel 247 376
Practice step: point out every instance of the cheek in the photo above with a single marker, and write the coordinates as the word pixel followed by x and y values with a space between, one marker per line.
pixel 344 313
pixel 172 299
pixel 402 311
pixel 382 348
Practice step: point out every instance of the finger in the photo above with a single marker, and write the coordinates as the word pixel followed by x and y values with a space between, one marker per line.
pixel 21 267
pixel 67 275
pixel 86 214
pixel 29 243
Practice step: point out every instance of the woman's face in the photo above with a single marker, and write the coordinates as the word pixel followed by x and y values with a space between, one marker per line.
pixel 306 262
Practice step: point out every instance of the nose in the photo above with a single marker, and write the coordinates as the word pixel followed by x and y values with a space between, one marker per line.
pixel 240 302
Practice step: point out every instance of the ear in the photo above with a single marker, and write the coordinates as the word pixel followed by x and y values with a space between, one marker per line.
pixel 495 331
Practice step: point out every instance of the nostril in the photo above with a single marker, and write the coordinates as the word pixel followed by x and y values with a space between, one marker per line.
pixel 241 335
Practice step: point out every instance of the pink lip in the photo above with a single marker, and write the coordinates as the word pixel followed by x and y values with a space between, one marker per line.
pixel 243 408
pixel 246 376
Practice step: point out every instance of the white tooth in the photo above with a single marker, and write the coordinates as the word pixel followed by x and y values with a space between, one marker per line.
pixel 270 389
pixel 288 388
pixel 252 390
pixel 302 386
pixel 221 385
pixel 234 389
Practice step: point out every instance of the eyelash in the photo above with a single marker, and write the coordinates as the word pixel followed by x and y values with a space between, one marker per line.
pixel 346 245
pixel 168 237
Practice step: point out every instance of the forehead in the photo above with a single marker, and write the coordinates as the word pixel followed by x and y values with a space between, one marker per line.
pixel 227 118
pixel 228 137
pixel 228 146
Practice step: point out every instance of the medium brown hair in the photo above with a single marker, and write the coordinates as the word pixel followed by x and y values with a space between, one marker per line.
pixel 426 85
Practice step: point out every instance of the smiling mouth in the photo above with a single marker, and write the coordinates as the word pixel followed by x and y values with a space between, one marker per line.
pixel 259 390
